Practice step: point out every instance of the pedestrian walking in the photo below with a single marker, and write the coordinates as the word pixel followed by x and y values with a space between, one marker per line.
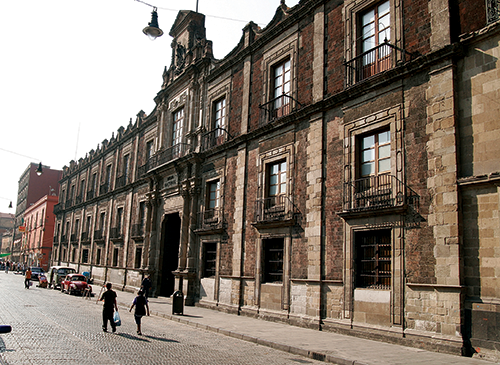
pixel 141 309
pixel 7 264
pixel 146 285
pixel 27 278
pixel 108 308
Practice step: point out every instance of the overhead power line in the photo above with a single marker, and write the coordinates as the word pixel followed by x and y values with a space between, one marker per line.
pixel 208 16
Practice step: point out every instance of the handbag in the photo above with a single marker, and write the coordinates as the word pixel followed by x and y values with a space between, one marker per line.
pixel 116 318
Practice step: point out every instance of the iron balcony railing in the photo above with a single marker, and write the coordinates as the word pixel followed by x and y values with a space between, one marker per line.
pixel 167 155
pixel 137 230
pixel 493 10
pixel 73 238
pixel 68 203
pixel 378 192
pixel 277 108
pixel 374 61
pixel 79 199
pixel 142 171
pixel 214 138
pixel 58 208
pixel 211 219
pixel 116 233
pixel 85 237
pixel 104 188
pixel 99 235
pixel 121 181
pixel 90 194
pixel 275 209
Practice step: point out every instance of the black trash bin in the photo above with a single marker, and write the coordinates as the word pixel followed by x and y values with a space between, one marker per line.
pixel 177 303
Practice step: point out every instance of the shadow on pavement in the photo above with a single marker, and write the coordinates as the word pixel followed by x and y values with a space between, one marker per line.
pixel 132 337
pixel 161 339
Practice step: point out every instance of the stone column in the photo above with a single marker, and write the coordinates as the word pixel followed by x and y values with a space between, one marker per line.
pixel 238 236
pixel 184 239
pixel 314 206
pixel 319 54
pixel 443 215
pixel 151 236
pixel 192 248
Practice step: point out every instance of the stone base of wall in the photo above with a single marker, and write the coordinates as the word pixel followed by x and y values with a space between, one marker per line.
pixel 412 338
pixel 423 340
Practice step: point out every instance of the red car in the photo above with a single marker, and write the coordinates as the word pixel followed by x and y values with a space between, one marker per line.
pixel 75 283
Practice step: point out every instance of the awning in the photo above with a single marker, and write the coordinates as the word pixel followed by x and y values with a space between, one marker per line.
pixel 4 254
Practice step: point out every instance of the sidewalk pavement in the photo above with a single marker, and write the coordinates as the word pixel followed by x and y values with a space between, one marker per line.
pixel 318 345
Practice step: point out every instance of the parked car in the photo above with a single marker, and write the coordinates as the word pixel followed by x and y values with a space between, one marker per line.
pixel 56 274
pixel 36 272
pixel 75 284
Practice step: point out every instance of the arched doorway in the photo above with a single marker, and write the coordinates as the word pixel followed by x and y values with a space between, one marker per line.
pixel 170 239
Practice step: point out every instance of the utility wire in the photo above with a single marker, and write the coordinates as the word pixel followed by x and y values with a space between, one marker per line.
pixel 15 153
pixel 208 16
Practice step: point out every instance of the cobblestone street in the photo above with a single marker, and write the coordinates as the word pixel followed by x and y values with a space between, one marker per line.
pixel 49 327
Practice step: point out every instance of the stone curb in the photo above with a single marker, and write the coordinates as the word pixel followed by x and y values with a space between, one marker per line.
pixel 275 345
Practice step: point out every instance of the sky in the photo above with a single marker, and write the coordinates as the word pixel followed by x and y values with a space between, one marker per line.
pixel 73 71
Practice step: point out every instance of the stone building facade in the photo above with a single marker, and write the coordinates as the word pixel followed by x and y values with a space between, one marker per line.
pixel 32 186
pixel 336 170
pixel 37 239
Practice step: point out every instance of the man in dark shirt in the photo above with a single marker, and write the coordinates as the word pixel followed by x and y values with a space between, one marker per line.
pixel 109 298
pixel 146 286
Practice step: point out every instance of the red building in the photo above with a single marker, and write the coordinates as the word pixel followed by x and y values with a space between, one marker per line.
pixel 32 187
pixel 37 240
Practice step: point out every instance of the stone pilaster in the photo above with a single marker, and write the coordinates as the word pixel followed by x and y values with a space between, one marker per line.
pixel 443 215
pixel 319 54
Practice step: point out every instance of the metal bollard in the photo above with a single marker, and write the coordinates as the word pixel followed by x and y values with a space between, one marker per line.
pixel 178 303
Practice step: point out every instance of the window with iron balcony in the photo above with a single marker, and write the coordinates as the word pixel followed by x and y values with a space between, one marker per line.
pixel 218 133
pixel 211 217
pixel 276 205
pixel 280 101
pixel 371 40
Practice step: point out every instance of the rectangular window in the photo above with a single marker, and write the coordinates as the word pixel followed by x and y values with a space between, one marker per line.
pixel 220 115
pixel 119 219
pixel 373 259
pixel 375 154
pixel 72 193
pixel 98 257
pixel 209 259
pixel 89 223
pixel 375 31
pixel 138 257
pixel 85 255
pixel 73 255
pixel 149 150
pixel 276 179
pixel 177 127
pixel 82 187
pixel 142 214
pixel 108 175
pixel 101 221
pixel 281 88
pixel 115 256
pixel 76 231
pixel 213 194
pixel 273 260
pixel 126 167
